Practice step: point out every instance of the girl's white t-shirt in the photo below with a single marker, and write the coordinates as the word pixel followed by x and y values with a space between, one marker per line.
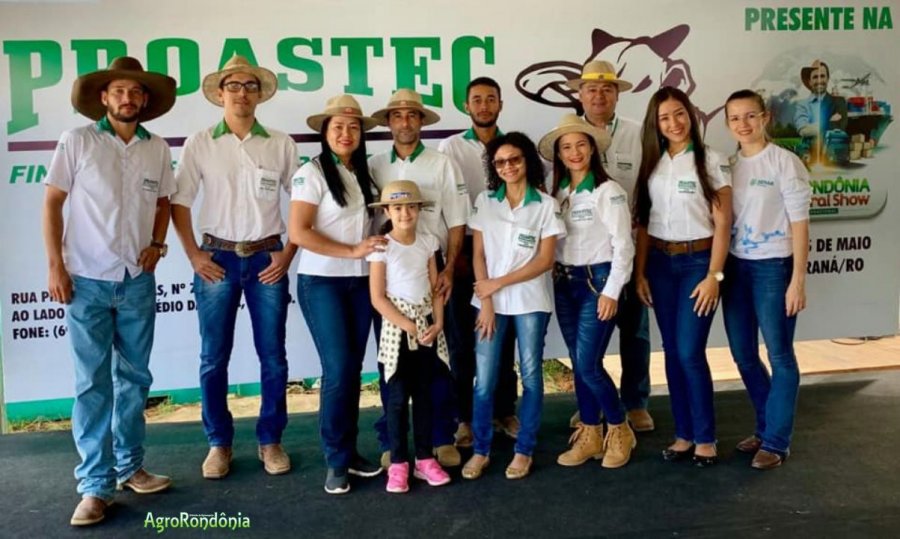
pixel 406 266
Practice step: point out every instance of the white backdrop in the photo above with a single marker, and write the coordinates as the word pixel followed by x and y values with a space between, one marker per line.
pixel 322 49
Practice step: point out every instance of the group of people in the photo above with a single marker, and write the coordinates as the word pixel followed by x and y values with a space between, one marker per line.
pixel 457 257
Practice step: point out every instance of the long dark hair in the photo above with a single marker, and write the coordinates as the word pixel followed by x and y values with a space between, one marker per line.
pixel 560 171
pixel 534 168
pixel 357 161
pixel 653 144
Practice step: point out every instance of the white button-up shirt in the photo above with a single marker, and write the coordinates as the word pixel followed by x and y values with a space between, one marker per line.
pixel 439 179
pixel 771 191
pixel 242 181
pixel 348 224
pixel 467 151
pixel 622 159
pixel 112 191
pixel 511 238
pixel 598 230
pixel 678 210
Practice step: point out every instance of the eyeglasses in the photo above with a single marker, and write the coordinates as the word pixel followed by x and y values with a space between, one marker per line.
pixel 513 161
pixel 234 86
pixel 749 117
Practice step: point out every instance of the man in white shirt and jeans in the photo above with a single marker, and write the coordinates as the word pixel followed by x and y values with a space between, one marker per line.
pixel 242 167
pixel 117 178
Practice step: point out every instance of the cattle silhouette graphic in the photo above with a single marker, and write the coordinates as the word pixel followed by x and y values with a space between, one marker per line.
pixel 646 61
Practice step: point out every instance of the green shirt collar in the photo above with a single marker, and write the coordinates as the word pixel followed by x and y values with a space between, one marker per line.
pixel 412 157
pixel 470 134
pixel 104 125
pixel 531 194
pixel 222 128
pixel 587 184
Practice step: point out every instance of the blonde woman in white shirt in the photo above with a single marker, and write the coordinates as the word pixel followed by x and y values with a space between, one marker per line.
pixel 683 208
pixel 766 271
pixel 593 264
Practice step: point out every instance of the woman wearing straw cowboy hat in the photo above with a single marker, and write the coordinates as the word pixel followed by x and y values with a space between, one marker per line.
pixel 242 169
pixel 331 222
pixel 117 178
pixel 593 263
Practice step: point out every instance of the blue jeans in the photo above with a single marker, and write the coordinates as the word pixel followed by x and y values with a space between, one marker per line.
pixel 217 307
pixel 633 320
pixel 577 291
pixel 753 300
pixel 684 334
pixel 338 312
pixel 531 328
pixel 111 332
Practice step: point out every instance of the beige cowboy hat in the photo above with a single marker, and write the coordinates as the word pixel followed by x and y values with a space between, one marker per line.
pixel 401 192
pixel 341 105
pixel 86 89
pixel 268 82
pixel 806 72
pixel 406 99
pixel 572 123
pixel 599 71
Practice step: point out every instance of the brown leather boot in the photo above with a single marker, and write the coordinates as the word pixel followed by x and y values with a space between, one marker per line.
pixel 587 443
pixel 447 455
pixel 274 459
pixel 90 510
pixel 144 482
pixel 217 463
pixel 620 441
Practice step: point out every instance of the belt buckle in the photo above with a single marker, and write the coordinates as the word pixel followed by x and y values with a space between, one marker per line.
pixel 242 249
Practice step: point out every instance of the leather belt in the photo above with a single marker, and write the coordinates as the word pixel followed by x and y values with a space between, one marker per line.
pixel 243 249
pixel 681 247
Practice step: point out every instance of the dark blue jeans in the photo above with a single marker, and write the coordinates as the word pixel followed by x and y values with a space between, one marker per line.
pixel 633 320
pixel 753 300
pixel 217 308
pixel 338 312
pixel 684 334
pixel 577 290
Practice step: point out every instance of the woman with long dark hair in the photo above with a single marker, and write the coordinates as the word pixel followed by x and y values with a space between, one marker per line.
pixel 683 207
pixel 331 222
pixel 766 271
pixel 593 264
pixel 514 230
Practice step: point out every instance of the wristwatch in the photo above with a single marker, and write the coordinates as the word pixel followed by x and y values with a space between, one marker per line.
pixel 161 247
pixel 718 276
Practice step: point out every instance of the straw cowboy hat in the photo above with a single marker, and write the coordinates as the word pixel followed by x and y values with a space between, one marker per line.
pixel 401 192
pixel 341 105
pixel 406 99
pixel 806 72
pixel 571 123
pixel 86 89
pixel 268 82
pixel 599 71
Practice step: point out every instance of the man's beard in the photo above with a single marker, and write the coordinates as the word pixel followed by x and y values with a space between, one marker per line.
pixel 124 118
pixel 484 125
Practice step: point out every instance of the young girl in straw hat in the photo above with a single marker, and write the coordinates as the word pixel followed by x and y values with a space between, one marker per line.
pixel 401 279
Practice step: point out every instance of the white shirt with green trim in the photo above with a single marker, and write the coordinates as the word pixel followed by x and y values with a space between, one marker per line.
pixel 467 151
pixel 511 238
pixel 112 190
pixel 242 181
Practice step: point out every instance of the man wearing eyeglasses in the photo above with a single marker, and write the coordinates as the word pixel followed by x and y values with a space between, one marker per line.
pixel 242 167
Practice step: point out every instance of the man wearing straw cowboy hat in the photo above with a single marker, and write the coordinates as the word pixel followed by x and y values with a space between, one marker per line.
pixel 242 167
pixel 598 90
pixel 117 177
pixel 440 180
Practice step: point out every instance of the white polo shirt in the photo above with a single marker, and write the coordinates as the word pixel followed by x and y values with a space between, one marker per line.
pixel 112 191
pixel 771 191
pixel 678 211
pixel 242 180
pixel 511 239
pixel 439 179
pixel 598 229
pixel 622 159
pixel 348 224
pixel 406 267
pixel 467 151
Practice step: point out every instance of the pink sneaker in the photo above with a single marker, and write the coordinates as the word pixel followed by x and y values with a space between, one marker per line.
pixel 430 471
pixel 398 478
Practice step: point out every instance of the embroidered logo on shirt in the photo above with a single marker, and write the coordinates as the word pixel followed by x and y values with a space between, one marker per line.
pixel 462 189
pixel 687 186
pixel 725 169
pixel 762 182
pixel 618 200
pixel 298 181
pixel 581 215
pixel 268 185
pixel 528 241
pixel 150 185
pixel 624 165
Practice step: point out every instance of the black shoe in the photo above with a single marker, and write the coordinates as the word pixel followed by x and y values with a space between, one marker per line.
pixel 363 468
pixel 705 462
pixel 673 455
pixel 336 481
